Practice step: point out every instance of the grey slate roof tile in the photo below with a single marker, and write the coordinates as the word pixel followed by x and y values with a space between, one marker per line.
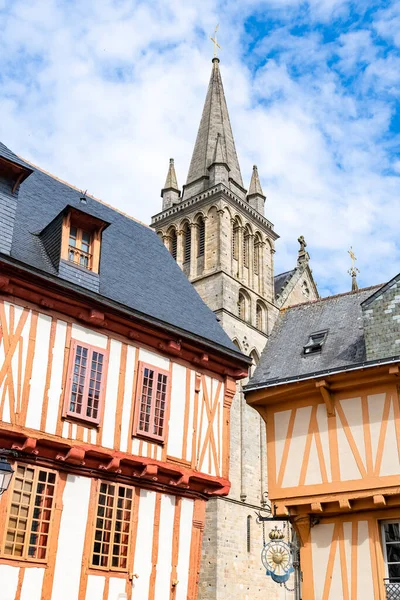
pixel 136 270
pixel 281 280
pixel 341 315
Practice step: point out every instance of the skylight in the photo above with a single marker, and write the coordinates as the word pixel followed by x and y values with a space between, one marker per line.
pixel 315 342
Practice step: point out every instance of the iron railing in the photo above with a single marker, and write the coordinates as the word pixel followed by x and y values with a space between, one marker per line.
pixel 392 587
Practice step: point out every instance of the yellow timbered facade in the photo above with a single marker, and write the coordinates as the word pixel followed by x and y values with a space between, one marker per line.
pixel 331 405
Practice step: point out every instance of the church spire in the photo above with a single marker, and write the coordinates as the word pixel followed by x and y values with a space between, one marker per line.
pixel 256 197
pixel 170 192
pixel 214 121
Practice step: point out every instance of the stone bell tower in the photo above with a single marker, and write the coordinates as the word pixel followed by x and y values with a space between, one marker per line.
pixel 220 237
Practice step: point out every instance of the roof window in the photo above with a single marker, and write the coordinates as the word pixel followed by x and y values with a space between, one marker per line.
pixel 315 342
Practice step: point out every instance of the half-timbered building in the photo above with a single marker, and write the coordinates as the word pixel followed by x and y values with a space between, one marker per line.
pixel 116 382
pixel 328 389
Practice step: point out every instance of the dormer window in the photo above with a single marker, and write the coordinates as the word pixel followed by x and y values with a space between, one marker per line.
pixel 79 247
pixel 315 342
pixel 81 239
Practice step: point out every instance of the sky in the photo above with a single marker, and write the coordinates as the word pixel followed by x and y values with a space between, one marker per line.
pixel 102 93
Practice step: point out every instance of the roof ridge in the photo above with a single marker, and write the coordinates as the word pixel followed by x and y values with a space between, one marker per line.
pixel 318 300
pixel 121 212
pixel 285 272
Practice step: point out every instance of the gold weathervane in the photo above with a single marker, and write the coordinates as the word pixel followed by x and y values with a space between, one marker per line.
pixel 353 270
pixel 214 40
pixel 353 257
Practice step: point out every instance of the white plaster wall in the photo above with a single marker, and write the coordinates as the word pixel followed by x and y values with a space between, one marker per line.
pixel 71 538
pixel 163 579
pixel 185 539
pixel 9 581
pixel 143 554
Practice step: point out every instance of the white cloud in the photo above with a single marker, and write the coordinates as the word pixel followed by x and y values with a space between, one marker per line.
pixel 103 93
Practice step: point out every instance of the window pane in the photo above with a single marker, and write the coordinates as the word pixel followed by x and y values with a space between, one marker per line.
pixel 72 236
pixel 146 399
pixel 159 413
pixel 392 532
pixel 394 570
pixel 93 402
pixel 85 241
pixel 110 548
pixel 393 553
pixel 28 537
pixel 78 380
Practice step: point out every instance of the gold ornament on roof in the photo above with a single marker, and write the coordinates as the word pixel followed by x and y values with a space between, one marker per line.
pixel 214 40
pixel 353 270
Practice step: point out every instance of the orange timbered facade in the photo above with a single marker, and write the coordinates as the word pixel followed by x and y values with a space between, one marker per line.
pixel 333 447
pixel 119 417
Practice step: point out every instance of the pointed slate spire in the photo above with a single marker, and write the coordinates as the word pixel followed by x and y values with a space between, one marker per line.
pixel 170 192
pixel 256 197
pixel 214 121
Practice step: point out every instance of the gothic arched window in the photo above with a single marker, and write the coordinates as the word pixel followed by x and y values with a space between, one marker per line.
pixel 246 240
pixel 242 306
pixel 235 240
pixel 261 317
pixel 201 237
pixel 173 243
pixel 256 256
pixel 187 245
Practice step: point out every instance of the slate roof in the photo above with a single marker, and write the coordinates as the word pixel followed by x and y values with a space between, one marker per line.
pixel 341 315
pixel 136 270
pixel 281 280
pixel 6 153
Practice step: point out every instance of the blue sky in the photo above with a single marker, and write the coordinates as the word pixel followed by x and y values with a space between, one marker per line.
pixel 103 92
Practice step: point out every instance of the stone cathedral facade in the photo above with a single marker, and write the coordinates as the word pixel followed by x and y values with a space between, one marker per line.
pixel 218 233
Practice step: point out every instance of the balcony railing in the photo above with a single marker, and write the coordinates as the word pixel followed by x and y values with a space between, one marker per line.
pixel 392 587
pixel 79 257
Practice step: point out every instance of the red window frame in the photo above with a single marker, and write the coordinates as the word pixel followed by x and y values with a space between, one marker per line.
pixel 87 380
pixel 151 409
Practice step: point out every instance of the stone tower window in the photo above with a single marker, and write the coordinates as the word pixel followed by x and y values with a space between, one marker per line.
pixel 187 242
pixel 256 255
pixel 261 317
pixel 235 241
pixel 242 306
pixel 201 237
pixel 174 243
pixel 246 240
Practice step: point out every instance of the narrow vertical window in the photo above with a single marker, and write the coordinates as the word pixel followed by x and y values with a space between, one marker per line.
pixel 113 527
pixel 174 244
pixel 201 239
pixel 256 256
pixel 242 306
pixel 235 241
pixel 86 382
pixel 188 242
pixel 152 399
pixel 259 317
pixel 30 513
pixel 246 239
